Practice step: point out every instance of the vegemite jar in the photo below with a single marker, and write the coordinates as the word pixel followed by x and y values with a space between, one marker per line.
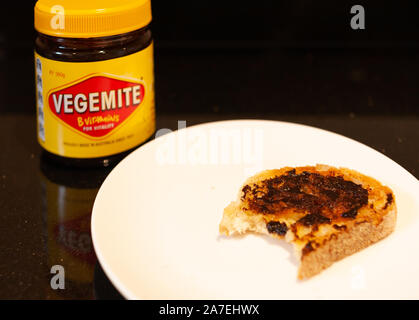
pixel 94 79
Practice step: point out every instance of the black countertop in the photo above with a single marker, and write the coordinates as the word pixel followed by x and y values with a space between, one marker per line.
pixel 369 95
pixel 46 210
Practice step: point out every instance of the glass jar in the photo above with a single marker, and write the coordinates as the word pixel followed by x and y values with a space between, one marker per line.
pixel 94 79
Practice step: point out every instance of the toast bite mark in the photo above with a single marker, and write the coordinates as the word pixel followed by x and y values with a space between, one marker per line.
pixel 327 213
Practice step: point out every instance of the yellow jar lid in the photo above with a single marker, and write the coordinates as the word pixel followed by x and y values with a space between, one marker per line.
pixel 91 18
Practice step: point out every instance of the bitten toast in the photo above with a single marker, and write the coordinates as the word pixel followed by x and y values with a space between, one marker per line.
pixel 327 213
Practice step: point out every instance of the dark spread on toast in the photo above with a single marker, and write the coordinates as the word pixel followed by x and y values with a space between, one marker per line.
pixel 313 219
pixel 308 248
pixel 389 201
pixel 350 214
pixel 322 198
pixel 277 227
pixel 337 227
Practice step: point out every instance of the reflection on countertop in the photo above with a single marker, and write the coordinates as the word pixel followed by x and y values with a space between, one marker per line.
pixel 67 198
pixel 46 213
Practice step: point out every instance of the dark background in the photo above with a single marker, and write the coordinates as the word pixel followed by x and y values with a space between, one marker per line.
pixel 273 56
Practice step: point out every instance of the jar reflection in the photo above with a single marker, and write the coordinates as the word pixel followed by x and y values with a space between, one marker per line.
pixel 67 202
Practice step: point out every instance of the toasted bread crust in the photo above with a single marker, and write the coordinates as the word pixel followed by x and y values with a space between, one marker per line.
pixel 345 244
pixel 329 239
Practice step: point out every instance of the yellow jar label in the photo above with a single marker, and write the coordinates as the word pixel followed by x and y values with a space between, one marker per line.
pixel 95 109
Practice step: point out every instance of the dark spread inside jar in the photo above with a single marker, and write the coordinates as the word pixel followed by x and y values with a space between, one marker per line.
pixel 93 49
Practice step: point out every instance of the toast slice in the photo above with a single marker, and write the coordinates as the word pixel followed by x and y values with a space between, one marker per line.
pixel 327 213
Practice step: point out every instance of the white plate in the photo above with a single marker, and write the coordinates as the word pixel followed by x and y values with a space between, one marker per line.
pixel 155 219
